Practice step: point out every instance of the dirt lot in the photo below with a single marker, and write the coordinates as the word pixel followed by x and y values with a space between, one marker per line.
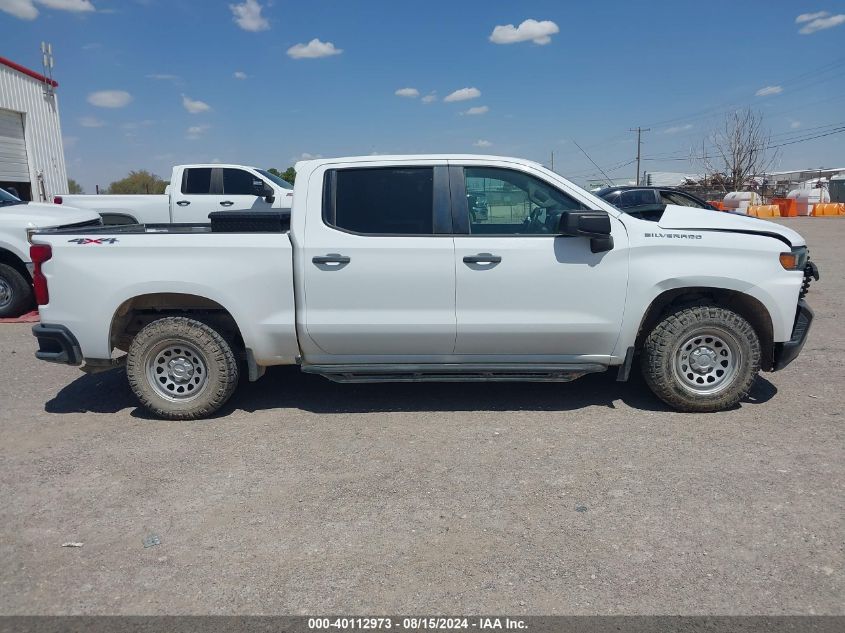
pixel 309 497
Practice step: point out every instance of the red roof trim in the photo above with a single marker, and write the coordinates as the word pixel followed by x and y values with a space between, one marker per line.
pixel 27 71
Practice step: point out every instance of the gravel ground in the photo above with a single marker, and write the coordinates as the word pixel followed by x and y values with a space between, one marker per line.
pixel 311 497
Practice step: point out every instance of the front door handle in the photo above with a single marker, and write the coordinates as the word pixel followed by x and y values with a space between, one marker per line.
pixel 184 203
pixel 332 258
pixel 482 258
pixel 226 203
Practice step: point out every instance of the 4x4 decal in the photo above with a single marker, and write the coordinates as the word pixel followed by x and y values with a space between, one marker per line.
pixel 91 240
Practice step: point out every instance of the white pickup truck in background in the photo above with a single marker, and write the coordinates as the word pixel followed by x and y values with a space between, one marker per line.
pixel 193 193
pixel 17 219
pixel 388 271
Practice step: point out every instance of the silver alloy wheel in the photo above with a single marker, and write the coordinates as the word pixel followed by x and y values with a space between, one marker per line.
pixel 707 361
pixel 176 370
pixel 5 293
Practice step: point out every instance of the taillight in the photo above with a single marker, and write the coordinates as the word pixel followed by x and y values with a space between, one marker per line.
pixel 57 199
pixel 40 253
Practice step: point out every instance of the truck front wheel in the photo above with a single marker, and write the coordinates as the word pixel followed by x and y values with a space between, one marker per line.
pixel 702 358
pixel 181 369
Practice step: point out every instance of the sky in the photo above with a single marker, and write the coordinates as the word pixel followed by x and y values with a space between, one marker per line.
pixel 146 84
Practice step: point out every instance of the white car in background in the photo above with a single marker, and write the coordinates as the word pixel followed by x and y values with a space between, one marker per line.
pixel 17 218
pixel 193 193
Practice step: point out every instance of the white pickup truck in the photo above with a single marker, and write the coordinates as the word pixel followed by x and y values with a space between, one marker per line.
pixel 389 271
pixel 194 192
pixel 17 219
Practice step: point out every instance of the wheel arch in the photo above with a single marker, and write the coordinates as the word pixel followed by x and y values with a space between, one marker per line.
pixel 10 258
pixel 134 313
pixel 748 307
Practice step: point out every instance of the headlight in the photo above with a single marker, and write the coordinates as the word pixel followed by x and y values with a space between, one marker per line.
pixel 796 259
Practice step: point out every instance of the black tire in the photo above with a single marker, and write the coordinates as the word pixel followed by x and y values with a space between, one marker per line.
pixel 684 354
pixel 15 293
pixel 181 369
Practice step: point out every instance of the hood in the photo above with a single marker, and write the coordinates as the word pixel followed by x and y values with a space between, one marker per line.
pixel 691 219
pixel 40 215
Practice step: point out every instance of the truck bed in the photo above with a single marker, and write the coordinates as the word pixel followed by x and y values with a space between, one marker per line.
pixel 98 275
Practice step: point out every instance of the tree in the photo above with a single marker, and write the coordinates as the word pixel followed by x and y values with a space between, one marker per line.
pixel 289 174
pixel 140 181
pixel 73 186
pixel 740 150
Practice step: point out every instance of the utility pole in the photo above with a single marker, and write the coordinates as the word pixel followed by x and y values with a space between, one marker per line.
pixel 639 132
pixel 553 160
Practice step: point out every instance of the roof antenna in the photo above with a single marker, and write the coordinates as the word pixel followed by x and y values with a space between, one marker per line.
pixel 47 63
pixel 609 182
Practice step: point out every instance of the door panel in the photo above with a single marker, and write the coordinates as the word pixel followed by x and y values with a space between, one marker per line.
pixel 547 296
pixel 238 192
pixel 196 196
pixel 381 293
pixel 521 289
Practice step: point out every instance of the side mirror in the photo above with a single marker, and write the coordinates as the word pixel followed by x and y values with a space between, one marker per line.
pixel 592 224
pixel 262 190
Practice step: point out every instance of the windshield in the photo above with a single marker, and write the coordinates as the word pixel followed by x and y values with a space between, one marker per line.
pixel 7 198
pixel 284 184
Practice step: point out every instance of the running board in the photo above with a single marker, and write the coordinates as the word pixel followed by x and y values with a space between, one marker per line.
pixel 453 372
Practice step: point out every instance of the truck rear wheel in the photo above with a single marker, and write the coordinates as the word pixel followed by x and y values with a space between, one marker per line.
pixel 15 292
pixel 181 369
pixel 702 358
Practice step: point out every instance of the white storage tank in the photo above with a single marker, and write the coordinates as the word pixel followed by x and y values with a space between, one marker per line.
pixel 739 201
pixel 806 199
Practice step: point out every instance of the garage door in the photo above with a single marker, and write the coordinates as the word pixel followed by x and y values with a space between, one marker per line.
pixel 13 163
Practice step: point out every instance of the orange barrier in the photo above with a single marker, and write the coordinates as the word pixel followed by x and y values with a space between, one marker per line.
pixel 764 211
pixel 717 203
pixel 829 208
pixel 788 207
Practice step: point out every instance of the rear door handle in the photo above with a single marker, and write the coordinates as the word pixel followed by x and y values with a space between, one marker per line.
pixel 482 258
pixel 331 259
pixel 226 203
pixel 184 203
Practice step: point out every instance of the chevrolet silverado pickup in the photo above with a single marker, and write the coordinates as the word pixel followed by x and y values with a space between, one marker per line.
pixel 17 218
pixel 194 192
pixel 382 273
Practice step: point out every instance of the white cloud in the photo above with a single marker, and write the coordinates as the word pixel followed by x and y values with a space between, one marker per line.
pixel 305 156
pixel 768 90
pixel 795 125
pixel 89 121
pixel 194 107
pixel 110 98
pixel 247 15
pixel 822 23
pixel 537 32
pixel 134 125
pixel 463 95
pixel 677 128
pixel 163 77
pixel 26 9
pixel 77 6
pixel 313 49
pixel 809 17
pixel 477 110
pixel 240 75
pixel 410 93
pixel 196 131
pixel 430 98
pixel 23 9
pixel 482 143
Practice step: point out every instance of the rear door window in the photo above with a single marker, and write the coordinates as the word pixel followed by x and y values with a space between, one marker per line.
pixel 197 181
pixel 381 201
pixel 636 198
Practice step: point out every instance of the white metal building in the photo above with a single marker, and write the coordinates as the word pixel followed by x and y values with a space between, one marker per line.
pixel 32 158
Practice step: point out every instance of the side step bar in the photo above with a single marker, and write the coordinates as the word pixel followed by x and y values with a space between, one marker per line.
pixel 453 372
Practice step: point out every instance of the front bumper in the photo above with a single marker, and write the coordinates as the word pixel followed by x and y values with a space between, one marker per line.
pixel 56 344
pixel 787 352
